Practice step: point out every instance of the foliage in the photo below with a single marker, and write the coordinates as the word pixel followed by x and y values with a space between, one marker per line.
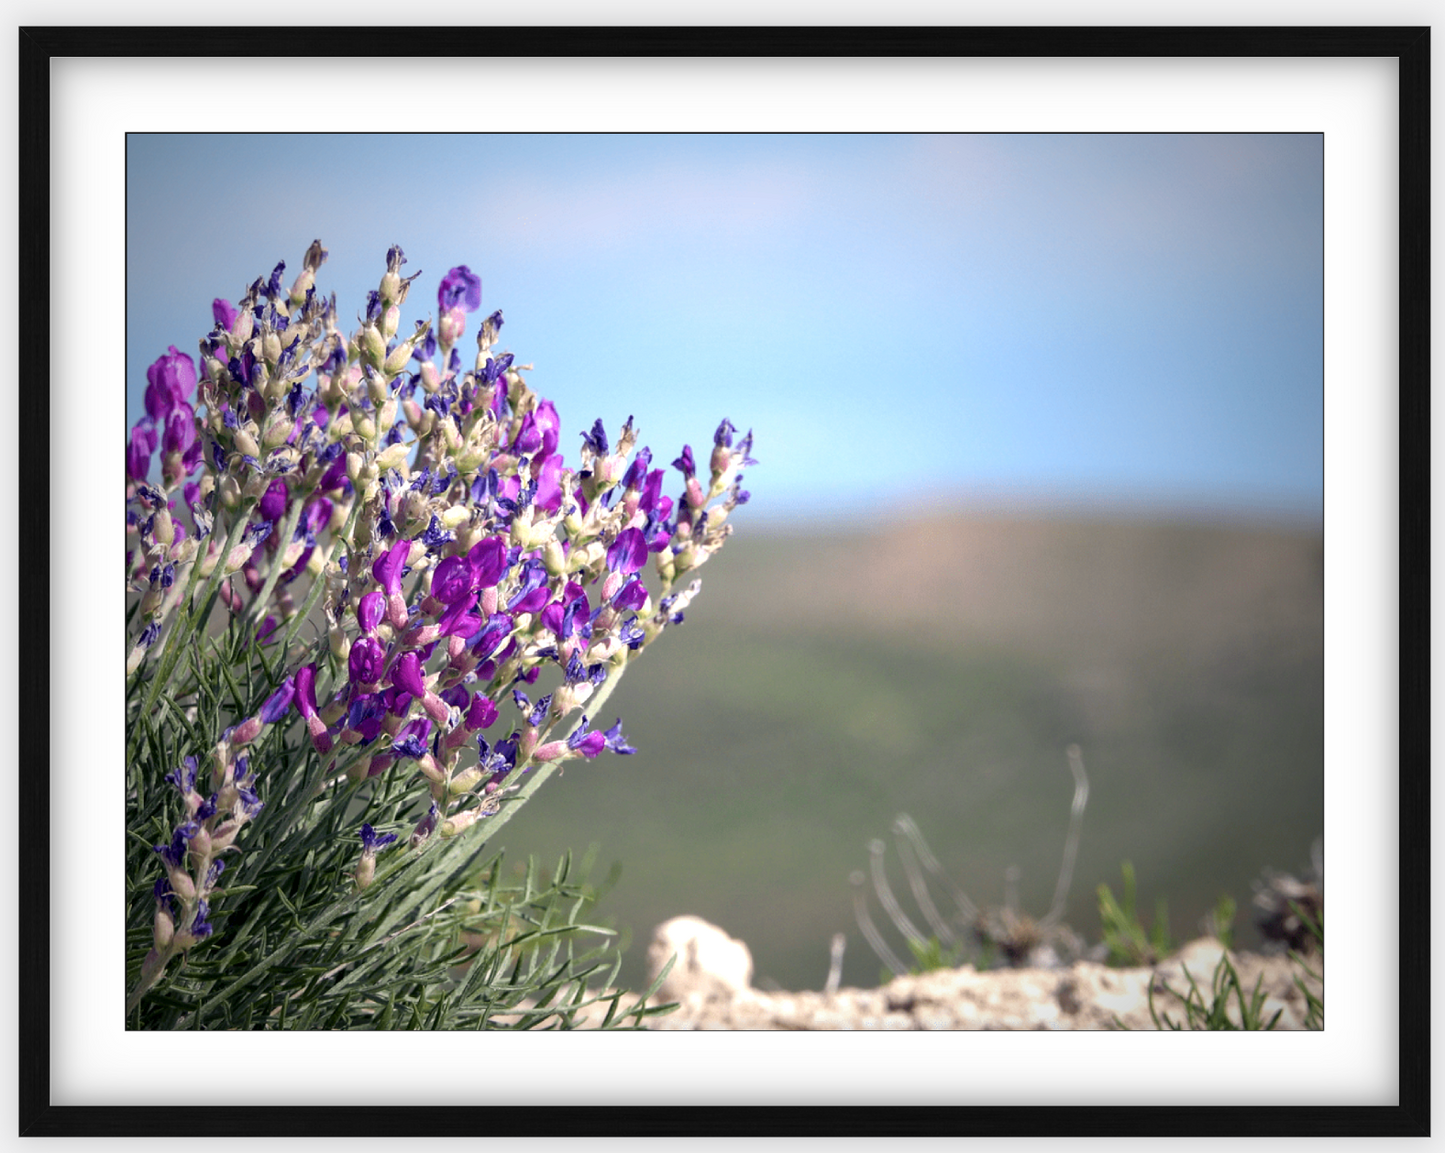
pixel 437 940
pixel 1129 941
pixel 931 954
pixel 1220 922
pixel 1312 967
pixel 1214 1014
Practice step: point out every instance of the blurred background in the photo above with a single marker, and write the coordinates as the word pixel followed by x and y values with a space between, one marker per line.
pixel 1040 430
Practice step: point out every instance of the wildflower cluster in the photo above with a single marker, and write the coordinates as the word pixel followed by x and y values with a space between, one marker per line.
pixel 425 507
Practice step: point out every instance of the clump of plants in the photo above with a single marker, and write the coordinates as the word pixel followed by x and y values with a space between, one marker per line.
pixel 1128 941
pixel 358 552
pixel 1002 935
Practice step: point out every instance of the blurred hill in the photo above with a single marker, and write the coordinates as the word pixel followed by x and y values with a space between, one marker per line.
pixel 939 665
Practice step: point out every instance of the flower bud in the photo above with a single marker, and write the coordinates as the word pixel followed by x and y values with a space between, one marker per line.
pixel 246 732
pixel 224 836
pixel 241 329
pixel 365 871
pixel 229 491
pixel 464 781
pixel 181 883
pixel 389 320
pixel 163 529
pixel 271 347
pixel 236 559
pixel 451 327
pixel 165 927
pixel 393 456
pixel 279 427
pixel 460 823
pixel 372 346
pixel 244 438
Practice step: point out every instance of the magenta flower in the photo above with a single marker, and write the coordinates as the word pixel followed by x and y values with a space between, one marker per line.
pixel 459 620
pixel 143 441
pixel 387 567
pixel 369 611
pixel 388 570
pixel 488 559
pixel 272 505
pixel 550 425
pixel 406 675
pixel 305 701
pixel 180 429
pixel 481 714
pixel 367 661
pixel 631 596
pixel 224 313
pixel 532 591
pixel 628 552
pixel 529 437
pixel 172 380
pixel 454 580
pixel 549 483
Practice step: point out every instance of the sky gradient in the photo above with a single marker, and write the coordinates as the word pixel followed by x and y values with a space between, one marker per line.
pixel 903 320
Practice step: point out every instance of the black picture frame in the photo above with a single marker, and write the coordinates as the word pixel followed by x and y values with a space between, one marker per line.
pixel 38 46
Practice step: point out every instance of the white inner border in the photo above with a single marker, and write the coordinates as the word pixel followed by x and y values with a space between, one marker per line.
pixel 1354 102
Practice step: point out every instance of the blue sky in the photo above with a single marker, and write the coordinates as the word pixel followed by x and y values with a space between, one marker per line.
pixel 903 320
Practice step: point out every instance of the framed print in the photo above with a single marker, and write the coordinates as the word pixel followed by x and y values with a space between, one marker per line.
pixel 97 105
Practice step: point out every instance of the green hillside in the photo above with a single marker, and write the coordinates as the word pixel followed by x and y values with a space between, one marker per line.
pixel 824 682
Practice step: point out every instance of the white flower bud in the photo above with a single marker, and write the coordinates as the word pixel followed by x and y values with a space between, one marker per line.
pixel 365 871
pixel 372 346
pixel 460 823
pixel 393 456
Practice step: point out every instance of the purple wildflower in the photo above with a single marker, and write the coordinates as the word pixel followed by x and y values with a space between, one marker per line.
pixel 460 287
pixel 371 840
pixel 616 741
pixel 628 552
pixel 366 661
pixel 172 380
pixel 596 439
pixel 143 442
pixel 278 702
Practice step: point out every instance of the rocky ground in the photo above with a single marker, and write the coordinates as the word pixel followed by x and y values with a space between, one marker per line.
pixel 710 981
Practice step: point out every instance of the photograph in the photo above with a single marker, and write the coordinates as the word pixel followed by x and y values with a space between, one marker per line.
pixel 1025 505
pixel 1001 687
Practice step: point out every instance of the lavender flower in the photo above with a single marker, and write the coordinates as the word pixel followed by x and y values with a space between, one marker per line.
pixel 460 288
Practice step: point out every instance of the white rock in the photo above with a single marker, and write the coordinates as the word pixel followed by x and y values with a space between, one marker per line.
pixel 709 962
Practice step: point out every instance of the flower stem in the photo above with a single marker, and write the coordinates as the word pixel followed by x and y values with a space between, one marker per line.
pixel 288 529
pixel 188 617
pixel 320 582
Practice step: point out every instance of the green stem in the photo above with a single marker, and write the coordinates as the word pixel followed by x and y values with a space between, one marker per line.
pixel 278 565
pixel 320 581
pixel 187 620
